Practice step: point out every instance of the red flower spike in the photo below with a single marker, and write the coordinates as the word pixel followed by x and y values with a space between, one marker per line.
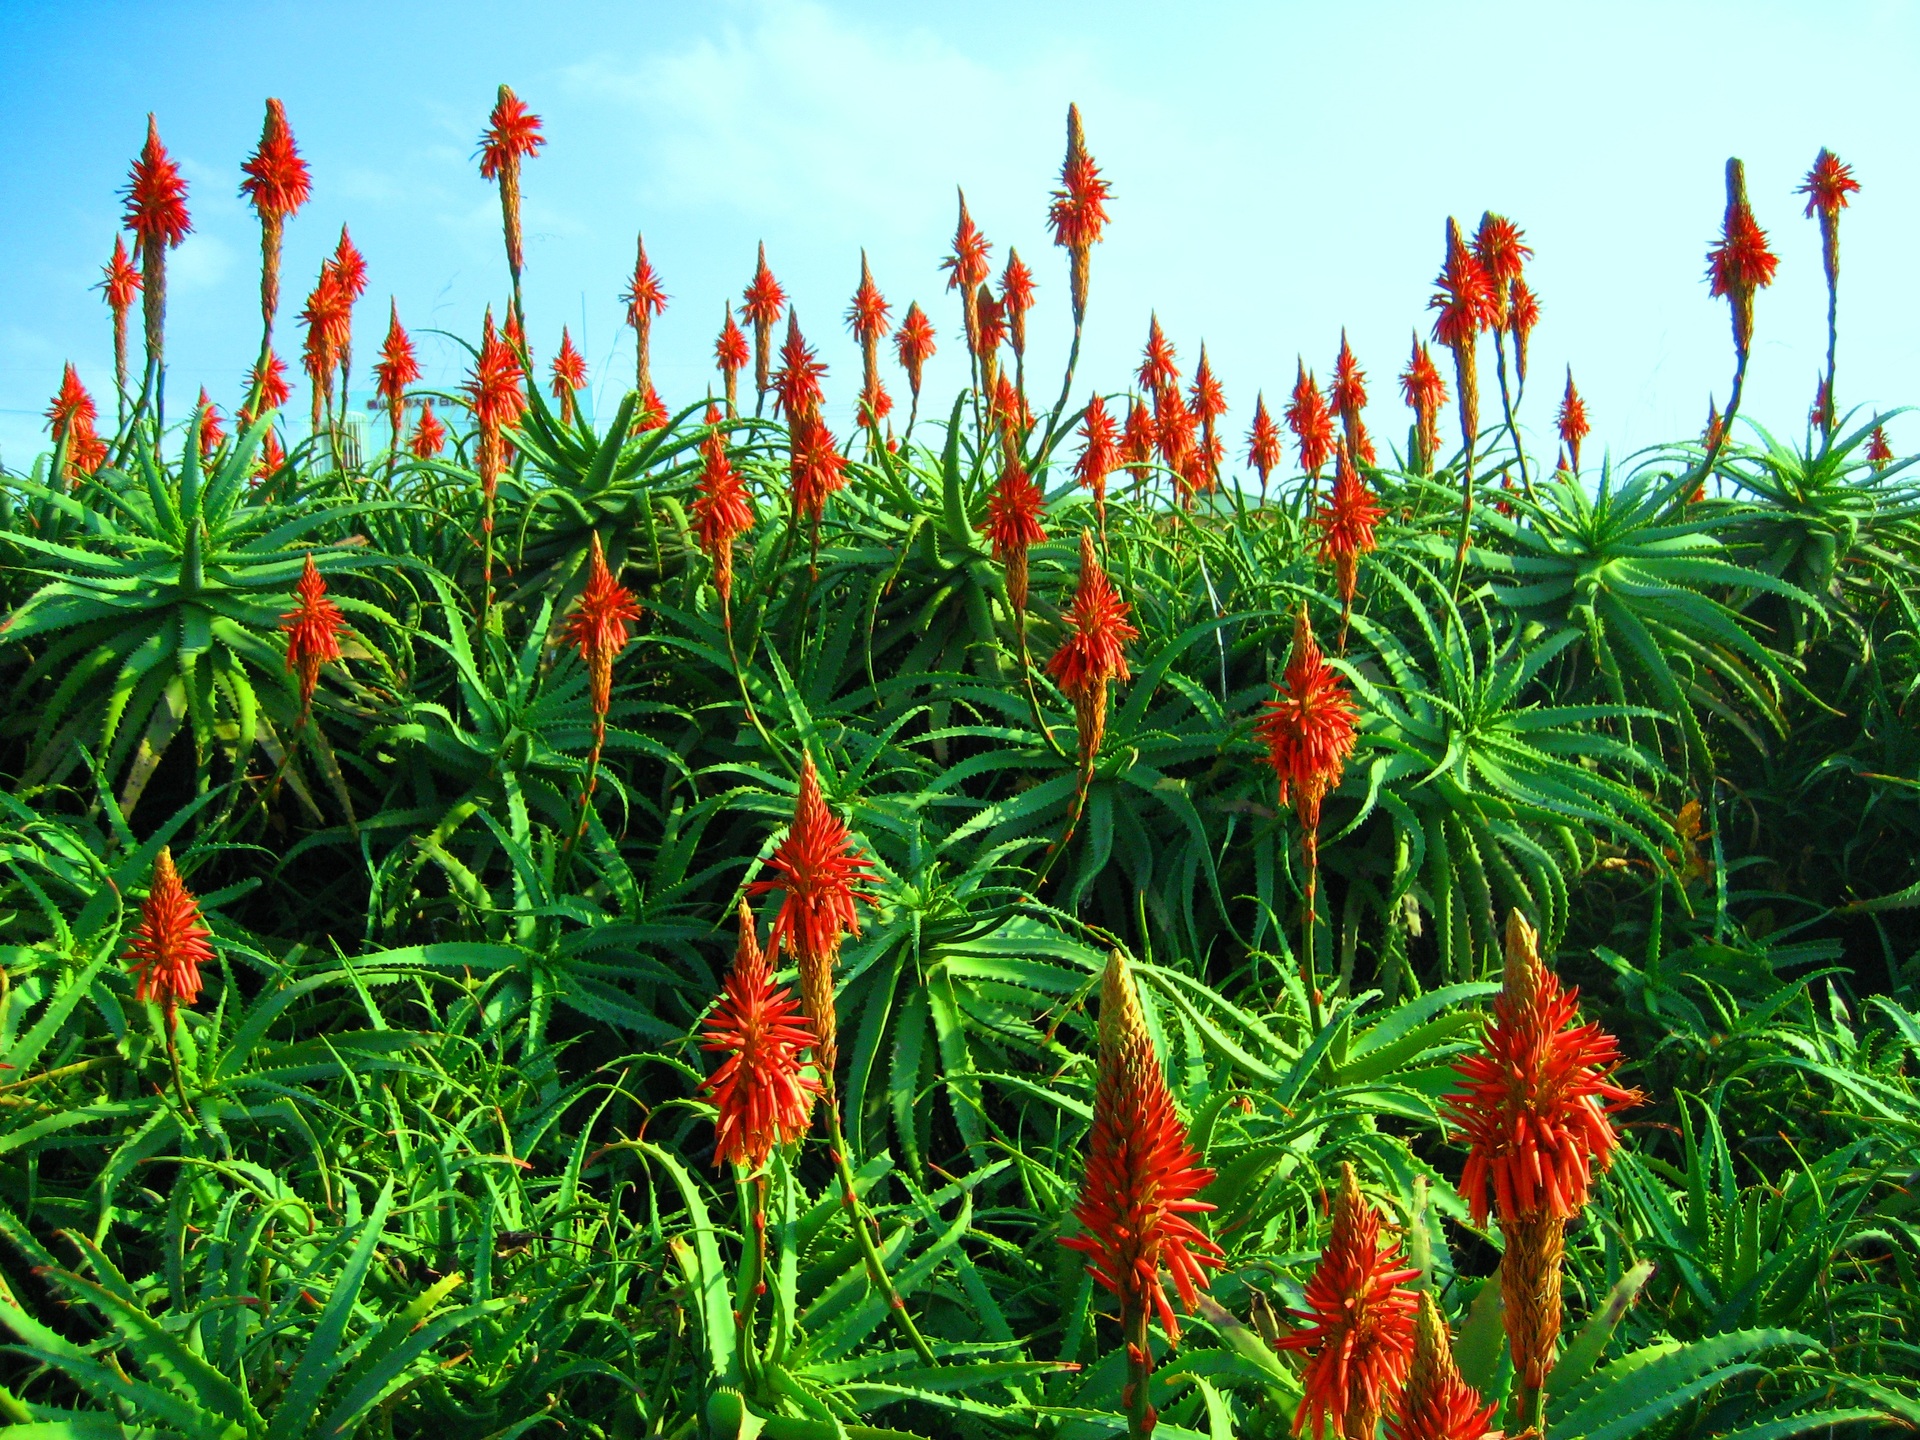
pixel 569 375
pixel 1263 443
pixel 271 457
pixel 1425 392
pixel 721 509
pixel 1436 1403
pixel 1311 421
pixel 496 399
pixel 1346 523
pixel 818 468
pixel 169 945
pixel 1535 1103
pixel 730 356
pixel 396 369
pixel 764 1096
pixel 1499 248
pixel 278 181
pixel 598 627
pixel 1463 295
pixel 1820 413
pixel 1143 1175
pixel 1137 440
pixel 1740 265
pixel 350 266
pixel 273 386
pixel 1078 212
pixel 429 434
pixel 990 323
pixel 822 874
pixel 1205 397
pixel 156 197
pixel 764 300
pixel 72 406
pixel 867 316
pixel 913 342
pixel 652 412
pixel 644 299
pixel 1827 186
pixel 512 135
pixel 1099 452
pixel 212 432
pixel 1175 434
pixel 1013 526
pixel 796 383
pixel 1348 396
pixel 120 284
pixel 972 258
pixel 1879 451
pixel 1360 1333
pixel 1523 313
pixel 1016 297
pixel 1572 421
pixel 1094 652
pixel 1157 367
pixel 1307 727
pixel 874 403
pixel 313 628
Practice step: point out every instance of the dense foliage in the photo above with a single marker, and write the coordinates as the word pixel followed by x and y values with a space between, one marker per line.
pixel 430 1156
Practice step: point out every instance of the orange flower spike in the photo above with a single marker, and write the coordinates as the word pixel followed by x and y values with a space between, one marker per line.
pixel 796 384
pixel 1348 396
pixel 569 375
pixel 313 629
pixel 1740 265
pixel 598 627
pixel 730 356
pixel 818 469
pixel 644 299
pixel 1464 296
pixel 496 399
pixel 1078 212
pixel 1137 440
pixel 429 434
pixel 1013 526
pixel 1094 652
pixel 272 385
pixel 1523 313
pixel 1016 296
pixel 868 315
pixel 1573 423
pixel 271 457
pixel 512 135
pixel 120 283
pixel 764 300
pixel 1263 443
pixel 914 344
pixel 72 415
pixel 990 323
pixel 1206 401
pixel 721 509
pixel 156 213
pixel 822 873
pixel 1827 186
pixel 1436 1403
pixel 1425 392
pixel 1141 1189
pixel 1099 452
pixel 212 432
pixel 1157 367
pixel 1307 727
pixel 1879 451
pixel 967 267
pixel 1359 1338
pixel 396 369
pixel 1346 523
pixel 1311 421
pixel 278 183
pixel 1500 249
pixel 169 945
pixel 350 265
pixel 764 1096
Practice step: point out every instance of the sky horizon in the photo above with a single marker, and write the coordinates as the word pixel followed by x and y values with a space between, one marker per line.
pixel 1266 194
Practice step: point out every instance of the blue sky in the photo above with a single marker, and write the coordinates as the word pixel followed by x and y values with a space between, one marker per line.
pixel 1280 171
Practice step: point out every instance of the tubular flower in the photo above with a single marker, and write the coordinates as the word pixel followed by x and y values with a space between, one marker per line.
pixel 271 457
pixel 328 318
pixel 494 395
pixel 156 213
pixel 120 284
pixel 429 435
pixel 1263 443
pixel 1879 452
pixel 313 629
pixel 721 510
pixel 512 135
pixel 764 1096
pixel 764 300
pixel 1499 248
pixel 1078 212
pixel 1360 1332
pixel 1827 186
pixel 1013 525
pixel 73 414
pixel 1740 265
pixel 1465 299
pixel 212 432
pixel 1311 421
pixel 875 404
pixel 1094 652
pixel 169 945
pixel 1157 367
pixel 598 628
pixel 350 265
pixel 967 267
pixel 1206 399
pixel 278 183
pixel 269 384
pixel 1143 1175
pixel 1307 728
pixel 644 299
pixel 821 871
pixel 1346 524
pixel 1523 313
pixel 1820 413
pixel 569 375
pixel 1099 452
pixel 1572 420
pixel 730 356
pixel 1016 297
pixel 1009 411
pixel 1534 1109
pixel 651 414
pixel 1137 439
pixel 796 384
pixel 818 467
pixel 1436 1403
pixel 913 342
pixel 1348 397
pixel 396 369
pixel 1175 435
pixel 867 316
pixel 1425 392
pixel 990 323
